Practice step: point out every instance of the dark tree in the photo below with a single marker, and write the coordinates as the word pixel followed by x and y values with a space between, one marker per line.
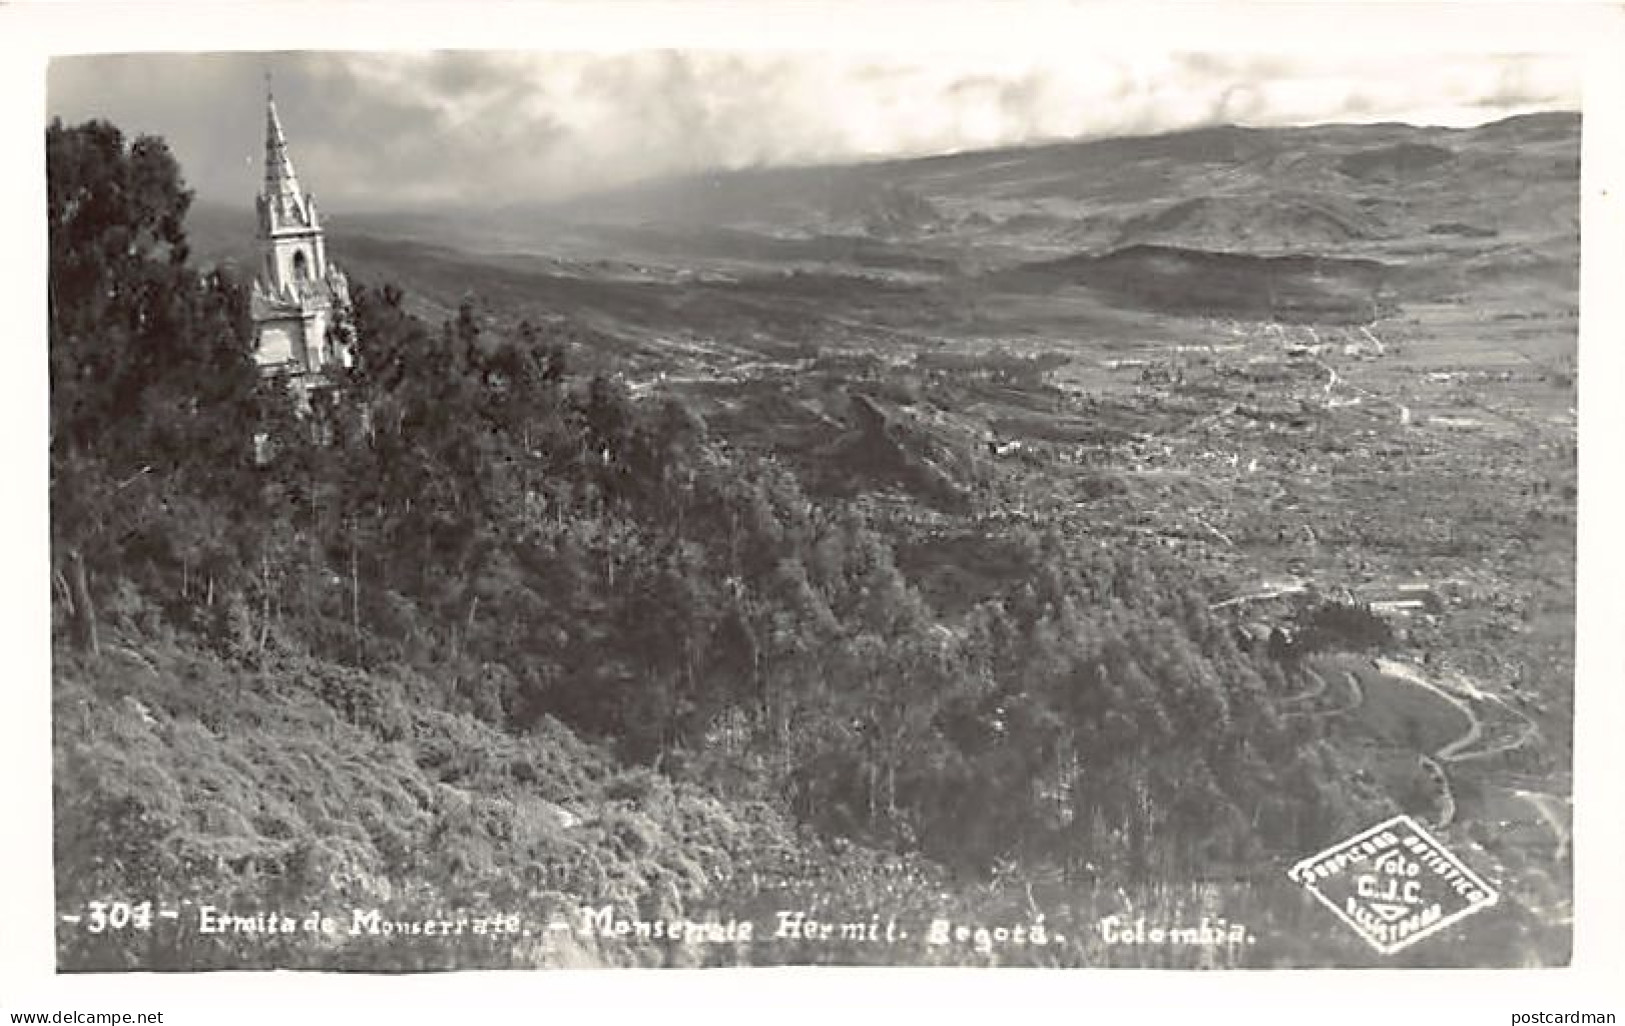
pixel 151 377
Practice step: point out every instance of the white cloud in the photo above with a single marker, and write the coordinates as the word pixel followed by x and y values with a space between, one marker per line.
pixel 381 129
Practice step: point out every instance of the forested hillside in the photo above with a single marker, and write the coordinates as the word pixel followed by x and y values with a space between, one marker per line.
pixel 483 631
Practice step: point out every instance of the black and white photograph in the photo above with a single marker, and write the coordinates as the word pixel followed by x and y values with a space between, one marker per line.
pixel 696 506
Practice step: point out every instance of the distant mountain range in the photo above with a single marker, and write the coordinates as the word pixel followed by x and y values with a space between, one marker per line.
pixel 1329 222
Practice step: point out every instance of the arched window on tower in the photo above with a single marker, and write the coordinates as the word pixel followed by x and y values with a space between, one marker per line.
pixel 301 266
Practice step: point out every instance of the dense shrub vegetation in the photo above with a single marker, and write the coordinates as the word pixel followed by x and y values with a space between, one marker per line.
pixel 470 588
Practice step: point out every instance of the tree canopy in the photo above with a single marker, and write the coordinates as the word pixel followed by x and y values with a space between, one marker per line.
pixel 543 544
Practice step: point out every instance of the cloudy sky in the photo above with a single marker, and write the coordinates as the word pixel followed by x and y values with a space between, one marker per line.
pixel 393 129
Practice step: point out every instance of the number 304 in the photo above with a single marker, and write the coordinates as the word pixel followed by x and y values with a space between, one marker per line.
pixel 118 915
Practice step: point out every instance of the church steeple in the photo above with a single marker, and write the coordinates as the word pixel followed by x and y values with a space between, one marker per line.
pixel 298 296
pixel 281 182
pixel 287 204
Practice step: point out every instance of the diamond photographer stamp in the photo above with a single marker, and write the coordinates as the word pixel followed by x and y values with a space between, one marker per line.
pixel 1394 884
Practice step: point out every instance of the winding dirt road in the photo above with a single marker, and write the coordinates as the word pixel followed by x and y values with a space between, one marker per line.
pixel 1555 820
pixel 1547 806
pixel 1475 727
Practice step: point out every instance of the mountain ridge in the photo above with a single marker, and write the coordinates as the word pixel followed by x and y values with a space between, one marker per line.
pixel 791 252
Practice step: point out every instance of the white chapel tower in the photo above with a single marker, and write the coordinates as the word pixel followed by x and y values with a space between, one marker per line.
pixel 299 301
